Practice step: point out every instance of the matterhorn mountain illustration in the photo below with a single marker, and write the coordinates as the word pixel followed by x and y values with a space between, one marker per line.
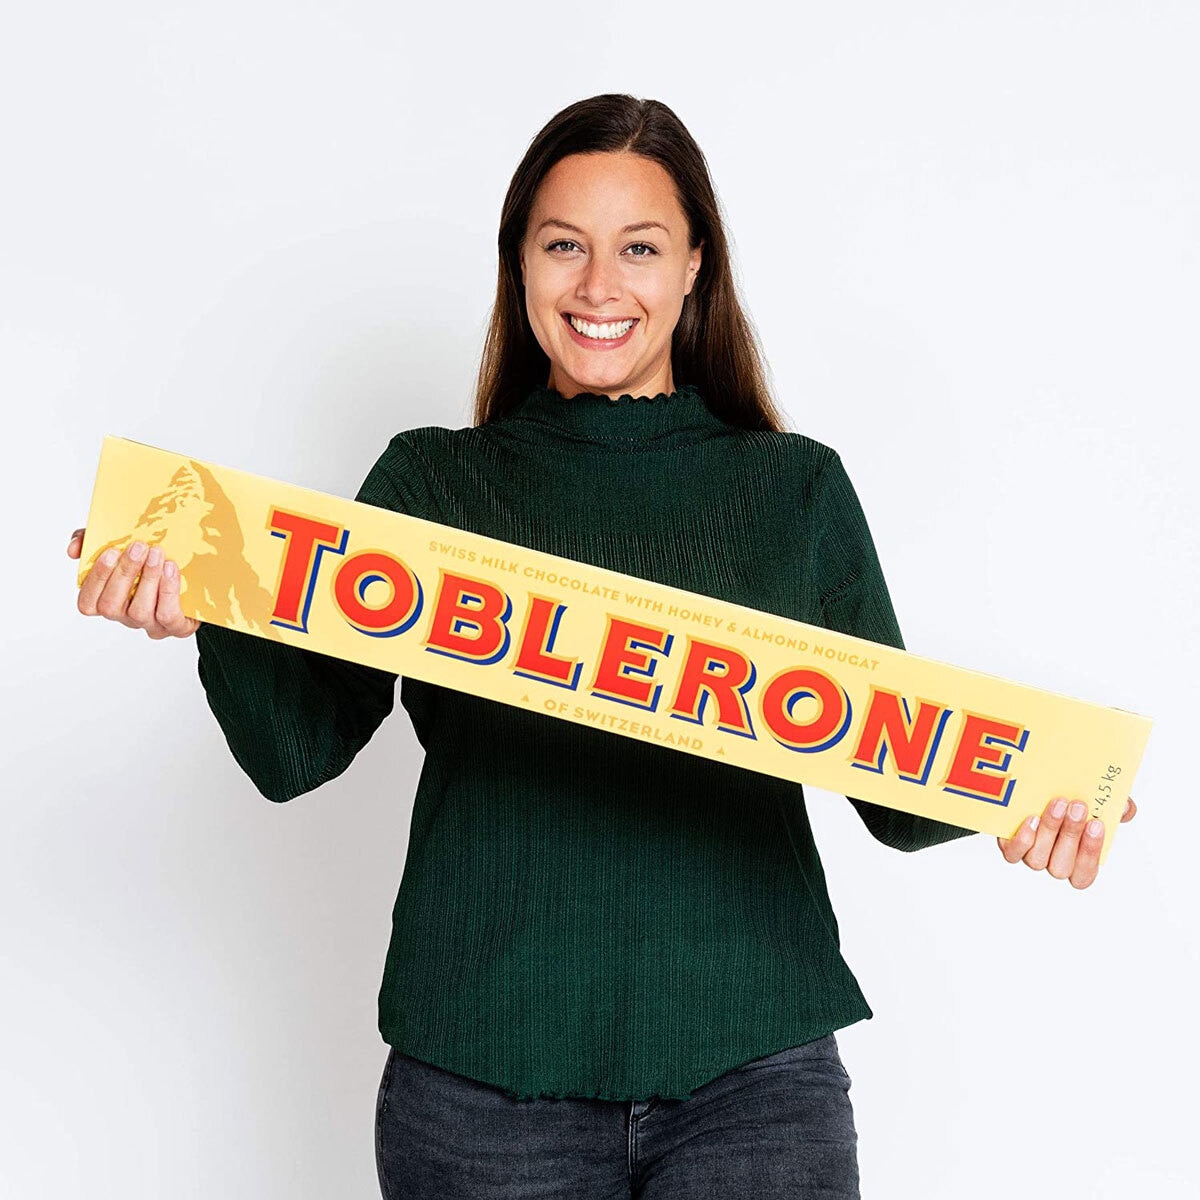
pixel 204 526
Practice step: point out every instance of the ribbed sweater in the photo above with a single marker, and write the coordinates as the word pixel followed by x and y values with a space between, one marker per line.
pixel 582 913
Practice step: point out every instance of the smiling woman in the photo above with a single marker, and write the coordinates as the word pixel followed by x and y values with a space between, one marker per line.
pixel 614 969
pixel 605 300
pixel 611 216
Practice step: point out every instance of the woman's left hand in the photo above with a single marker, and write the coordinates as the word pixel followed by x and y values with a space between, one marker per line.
pixel 1060 842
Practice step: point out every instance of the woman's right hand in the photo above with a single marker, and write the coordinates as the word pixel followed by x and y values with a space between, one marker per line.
pixel 154 606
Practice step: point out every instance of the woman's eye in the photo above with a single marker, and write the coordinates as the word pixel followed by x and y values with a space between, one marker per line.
pixel 647 249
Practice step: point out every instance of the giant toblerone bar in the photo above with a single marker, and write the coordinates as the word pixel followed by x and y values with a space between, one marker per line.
pixel 594 646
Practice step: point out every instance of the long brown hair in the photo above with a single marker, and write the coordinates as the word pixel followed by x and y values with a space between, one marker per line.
pixel 714 345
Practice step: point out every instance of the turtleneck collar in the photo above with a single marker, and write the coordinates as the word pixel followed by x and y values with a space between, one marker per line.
pixel 629 422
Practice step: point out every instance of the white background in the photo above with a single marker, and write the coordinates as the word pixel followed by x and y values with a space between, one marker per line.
pixel 264 233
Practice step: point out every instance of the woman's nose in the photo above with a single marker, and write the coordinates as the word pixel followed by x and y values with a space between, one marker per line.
pixel 601 282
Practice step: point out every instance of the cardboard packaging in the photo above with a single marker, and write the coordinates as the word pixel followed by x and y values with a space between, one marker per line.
pixel 594 646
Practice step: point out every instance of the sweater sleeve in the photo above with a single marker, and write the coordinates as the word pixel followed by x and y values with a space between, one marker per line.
pixel 294 718
pixel 854 599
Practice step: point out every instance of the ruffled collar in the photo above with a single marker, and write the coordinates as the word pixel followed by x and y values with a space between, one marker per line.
pixel 630 422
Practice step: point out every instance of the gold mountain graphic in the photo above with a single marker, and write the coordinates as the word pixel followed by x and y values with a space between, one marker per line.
pixel 201 522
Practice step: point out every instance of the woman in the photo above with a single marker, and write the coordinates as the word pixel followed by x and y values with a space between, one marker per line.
pixel 614 968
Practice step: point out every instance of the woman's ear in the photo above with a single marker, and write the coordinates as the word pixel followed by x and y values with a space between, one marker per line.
pixel 694 265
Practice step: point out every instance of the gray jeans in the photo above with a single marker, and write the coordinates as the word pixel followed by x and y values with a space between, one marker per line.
pixel 782 1125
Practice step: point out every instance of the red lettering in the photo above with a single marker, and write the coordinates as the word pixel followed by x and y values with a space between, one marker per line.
pixel 886 727
pixel 624 656
pixel 721 672
pixel 981 758
pixel 305 539
pixel 350 585
pixel 534 659
pixel 469 619
pixel 823 730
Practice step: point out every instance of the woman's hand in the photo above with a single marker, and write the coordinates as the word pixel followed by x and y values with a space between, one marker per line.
pixel 1058 841
pixel 154 606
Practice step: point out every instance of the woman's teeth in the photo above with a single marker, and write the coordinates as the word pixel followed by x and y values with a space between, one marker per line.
pixel 613 330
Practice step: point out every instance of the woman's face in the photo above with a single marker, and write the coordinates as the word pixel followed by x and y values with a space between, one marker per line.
pixel 607 245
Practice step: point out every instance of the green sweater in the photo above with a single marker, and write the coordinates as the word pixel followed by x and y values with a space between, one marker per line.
pixel 582 913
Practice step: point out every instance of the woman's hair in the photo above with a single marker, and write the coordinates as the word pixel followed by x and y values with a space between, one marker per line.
pixel 714 345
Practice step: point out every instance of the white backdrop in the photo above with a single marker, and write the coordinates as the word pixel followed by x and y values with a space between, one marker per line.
pixel 264 233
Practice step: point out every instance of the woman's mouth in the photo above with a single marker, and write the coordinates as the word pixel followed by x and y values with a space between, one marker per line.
pixel 602 335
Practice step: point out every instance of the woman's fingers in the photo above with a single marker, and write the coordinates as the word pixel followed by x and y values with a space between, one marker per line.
pixel 154 606
pixel 168 614
pixel 1130 810
pixel 94 582
pixel 113 601
pixel 142 607
pixel 1016 847
pixel 1052 818
pixel 1087 854
pixel 75 544
pixel 1066 845
pixel 1062 841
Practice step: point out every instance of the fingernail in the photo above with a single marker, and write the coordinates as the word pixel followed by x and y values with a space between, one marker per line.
pixel 1058 808
pixel 1078 811
pixel 109 557
pixel 1095 827
pixel 137 551
pixel 154 557
pixel 169 569
pixel 1034 821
